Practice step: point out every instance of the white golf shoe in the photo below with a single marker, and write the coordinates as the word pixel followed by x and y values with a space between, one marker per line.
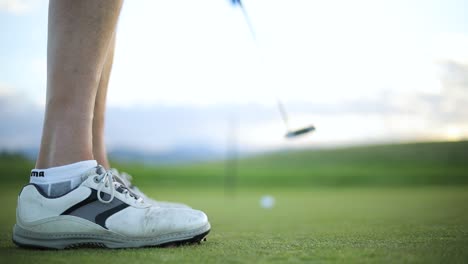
pixel 127 180
pixel 102 212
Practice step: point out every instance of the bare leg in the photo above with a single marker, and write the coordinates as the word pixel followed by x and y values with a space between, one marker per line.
pixel 99 146
pixel 80 33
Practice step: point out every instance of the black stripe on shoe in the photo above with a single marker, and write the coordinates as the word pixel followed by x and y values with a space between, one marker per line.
pixel 91 198
pixel 95 211
pixel 102 217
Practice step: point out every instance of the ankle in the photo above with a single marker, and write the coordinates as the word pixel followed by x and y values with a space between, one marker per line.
pixel 56 181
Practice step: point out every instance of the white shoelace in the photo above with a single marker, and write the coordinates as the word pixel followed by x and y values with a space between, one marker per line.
pixel 127 181
pixel 107 179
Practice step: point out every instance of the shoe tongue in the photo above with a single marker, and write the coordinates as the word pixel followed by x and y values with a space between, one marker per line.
pixel 121 181
pixel 92 172
pixel 122 178
pixel 100 170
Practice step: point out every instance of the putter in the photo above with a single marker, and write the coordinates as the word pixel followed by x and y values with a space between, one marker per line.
pixel 292 133
pixel 284 115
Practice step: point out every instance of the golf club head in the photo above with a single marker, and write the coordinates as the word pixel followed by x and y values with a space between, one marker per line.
pixel 299 132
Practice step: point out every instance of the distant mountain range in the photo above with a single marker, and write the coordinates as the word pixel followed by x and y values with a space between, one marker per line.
pixel 176 155
pixel 172 156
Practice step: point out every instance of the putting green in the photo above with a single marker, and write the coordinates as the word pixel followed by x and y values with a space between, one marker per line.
pixel 347 225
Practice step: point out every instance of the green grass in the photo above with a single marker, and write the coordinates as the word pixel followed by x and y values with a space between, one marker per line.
pixel 348 225
pixel 404 203
pixel 415 164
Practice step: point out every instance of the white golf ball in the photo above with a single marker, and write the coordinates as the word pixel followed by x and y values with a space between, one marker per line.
pixel 267 202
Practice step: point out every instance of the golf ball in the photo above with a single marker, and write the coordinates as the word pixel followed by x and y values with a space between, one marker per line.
pixel 267 202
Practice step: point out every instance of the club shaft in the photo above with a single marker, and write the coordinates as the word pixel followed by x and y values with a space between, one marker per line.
pixel 247 20
pixel 284 115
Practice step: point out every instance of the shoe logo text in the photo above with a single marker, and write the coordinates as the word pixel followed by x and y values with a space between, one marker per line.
pixel 37 174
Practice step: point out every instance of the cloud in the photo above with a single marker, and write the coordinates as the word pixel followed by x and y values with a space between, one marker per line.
pixel 20 120
pixel 5 90
pixel 447 106
pixel 390 116
pixel 455 93
pixel 17 6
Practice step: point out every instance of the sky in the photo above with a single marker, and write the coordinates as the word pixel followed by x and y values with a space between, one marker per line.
pixel 360 71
